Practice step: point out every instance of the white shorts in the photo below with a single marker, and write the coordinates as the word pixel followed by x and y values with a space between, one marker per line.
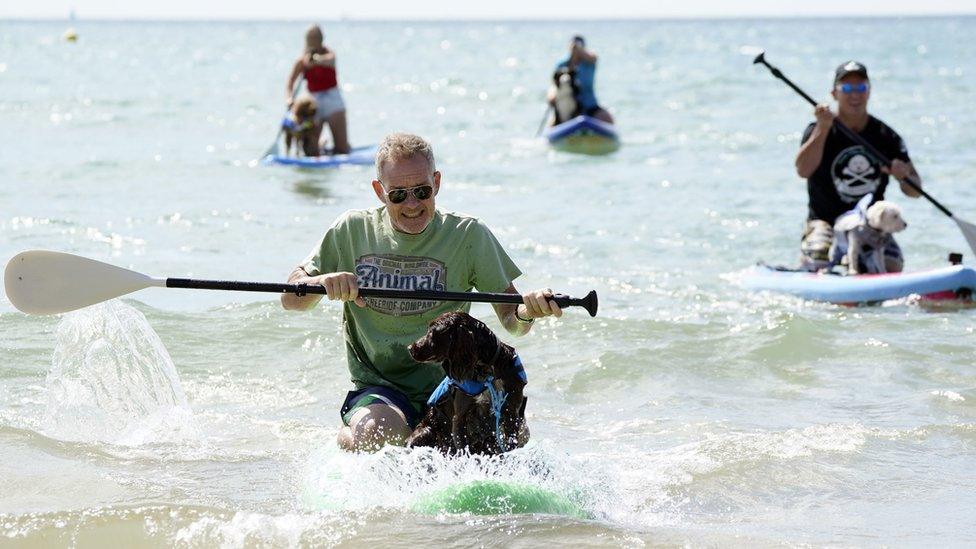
pixel 328 102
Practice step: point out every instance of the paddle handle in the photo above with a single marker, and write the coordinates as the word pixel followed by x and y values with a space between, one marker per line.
pixel 852 135
pixel 589 302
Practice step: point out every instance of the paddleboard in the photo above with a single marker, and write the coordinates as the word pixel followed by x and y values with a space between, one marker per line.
pixel 584 135
pixel 948 283
pixel 359 156
pixel 494 497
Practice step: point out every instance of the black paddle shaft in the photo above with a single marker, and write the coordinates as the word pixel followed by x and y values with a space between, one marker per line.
pixel 545 118
pixel 851 134
pixel 589 302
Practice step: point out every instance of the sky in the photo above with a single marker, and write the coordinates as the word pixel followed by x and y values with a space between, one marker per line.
pixel 324 10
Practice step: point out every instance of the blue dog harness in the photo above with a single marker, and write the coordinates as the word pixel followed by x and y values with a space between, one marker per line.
pixel 289 124
pixel 472 387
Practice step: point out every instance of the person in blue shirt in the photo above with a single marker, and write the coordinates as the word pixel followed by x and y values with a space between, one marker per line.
pixel 582 63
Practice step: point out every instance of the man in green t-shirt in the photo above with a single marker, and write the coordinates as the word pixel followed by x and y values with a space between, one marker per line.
pixel 405 244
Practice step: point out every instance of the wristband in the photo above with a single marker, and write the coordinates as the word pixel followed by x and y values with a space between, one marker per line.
pixel 525 320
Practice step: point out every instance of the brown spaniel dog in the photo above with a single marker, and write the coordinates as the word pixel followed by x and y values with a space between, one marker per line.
pixel 298 126
pixel 479 407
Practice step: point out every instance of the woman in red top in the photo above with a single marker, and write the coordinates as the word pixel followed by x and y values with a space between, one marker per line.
pixel 318 64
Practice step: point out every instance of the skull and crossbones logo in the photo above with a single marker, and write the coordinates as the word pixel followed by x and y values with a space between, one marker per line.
pixel 855 174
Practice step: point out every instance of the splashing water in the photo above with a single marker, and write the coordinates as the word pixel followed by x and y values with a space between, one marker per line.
pixel 112 380
pixel 534 479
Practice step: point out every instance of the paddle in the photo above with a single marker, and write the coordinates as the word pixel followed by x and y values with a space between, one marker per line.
pixel 968 229
pixel 545 118
pixel 273 149
pixel 43 282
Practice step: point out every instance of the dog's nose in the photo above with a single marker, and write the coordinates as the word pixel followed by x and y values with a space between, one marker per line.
pixel 415 351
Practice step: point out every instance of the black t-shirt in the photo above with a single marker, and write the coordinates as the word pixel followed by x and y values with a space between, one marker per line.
pixel 847 171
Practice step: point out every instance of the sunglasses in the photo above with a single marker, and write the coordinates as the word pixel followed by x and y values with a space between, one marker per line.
pixel 420 192
pixel 863 87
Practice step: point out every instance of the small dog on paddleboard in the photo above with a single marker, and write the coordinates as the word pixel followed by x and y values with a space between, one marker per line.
pixel 297 127
pixel 479 407
pixel 860 238
pixel 565 105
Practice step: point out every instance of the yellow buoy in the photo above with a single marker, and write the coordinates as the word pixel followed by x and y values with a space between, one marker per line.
pixel 70 35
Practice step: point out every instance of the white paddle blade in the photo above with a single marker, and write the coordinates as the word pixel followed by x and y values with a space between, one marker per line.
pixel 968 231
pixel 41 282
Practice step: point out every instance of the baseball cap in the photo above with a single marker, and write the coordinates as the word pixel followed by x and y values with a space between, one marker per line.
pixel 850 67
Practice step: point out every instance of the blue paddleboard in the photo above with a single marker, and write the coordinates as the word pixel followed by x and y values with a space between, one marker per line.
pixel 359 156
pixel 585 135
pixel 947 283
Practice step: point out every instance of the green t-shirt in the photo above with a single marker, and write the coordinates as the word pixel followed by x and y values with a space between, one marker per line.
pixel 454 253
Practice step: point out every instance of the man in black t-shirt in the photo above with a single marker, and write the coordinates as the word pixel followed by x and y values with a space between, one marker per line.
pixel 839 171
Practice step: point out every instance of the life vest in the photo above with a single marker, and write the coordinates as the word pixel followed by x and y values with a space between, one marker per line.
pixel 471 387
pixel 296 127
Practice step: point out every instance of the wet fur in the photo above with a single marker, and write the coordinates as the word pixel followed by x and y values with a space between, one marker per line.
pixel 459 422
pixel 303 109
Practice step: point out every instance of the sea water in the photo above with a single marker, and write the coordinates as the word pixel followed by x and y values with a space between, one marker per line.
pixel 689 411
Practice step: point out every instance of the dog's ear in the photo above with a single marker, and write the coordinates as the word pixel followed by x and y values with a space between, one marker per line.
pixel 463 347
pixel 875 215
pixel 305 107
pixel 462 354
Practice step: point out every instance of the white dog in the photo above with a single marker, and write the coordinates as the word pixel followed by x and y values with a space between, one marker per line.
pixel 860 236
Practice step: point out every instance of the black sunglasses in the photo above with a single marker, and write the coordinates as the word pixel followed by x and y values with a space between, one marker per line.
pixel 420 192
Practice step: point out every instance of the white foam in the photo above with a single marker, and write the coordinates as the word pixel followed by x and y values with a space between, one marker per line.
pixel 949 395
pixel 249 529
pixel 397 478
